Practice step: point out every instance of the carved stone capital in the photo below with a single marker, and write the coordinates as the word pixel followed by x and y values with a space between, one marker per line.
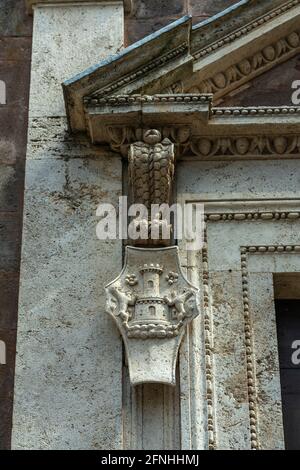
pixel 151 302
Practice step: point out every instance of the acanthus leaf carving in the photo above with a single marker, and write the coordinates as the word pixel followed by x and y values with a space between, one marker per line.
pixel 151 164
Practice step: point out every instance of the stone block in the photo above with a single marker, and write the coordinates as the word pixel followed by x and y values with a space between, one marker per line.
pixel 64 31
pixel 9 287
pixel 231 399
pixel 208 7
pixel 159 8
pixel 9 243
pixel 14 19
pixel 69 352
pixel 5 422
pixel 7 370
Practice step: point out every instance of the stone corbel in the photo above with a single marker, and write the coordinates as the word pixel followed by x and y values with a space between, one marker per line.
pixel 151 132
pixel 151 301
pixel 151 164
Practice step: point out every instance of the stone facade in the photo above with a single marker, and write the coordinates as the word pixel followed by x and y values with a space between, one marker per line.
pixel 15 52
pixel 241 163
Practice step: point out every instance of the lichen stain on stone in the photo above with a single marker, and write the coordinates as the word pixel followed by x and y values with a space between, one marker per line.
pixel 236 387
pixel 74 199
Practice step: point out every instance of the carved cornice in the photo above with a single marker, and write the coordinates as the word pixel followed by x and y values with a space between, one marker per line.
pixel 154 57
pixel 140 72
pixel 118 120
pixel 122 100
pixel 194 127
pixel 247 68
pixel 247 28
pixel 180 58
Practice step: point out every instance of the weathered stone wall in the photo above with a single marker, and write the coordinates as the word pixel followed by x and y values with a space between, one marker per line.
pixel 150 15
pixel 15 57
pixel 15 51
pixel 69 359
pixel 273 88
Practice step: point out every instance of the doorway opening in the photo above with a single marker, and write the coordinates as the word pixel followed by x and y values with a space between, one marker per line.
pixel 287 304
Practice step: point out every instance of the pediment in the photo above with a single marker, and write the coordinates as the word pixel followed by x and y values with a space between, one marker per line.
pixel 216 56
pixel 172 79
pixel 272 88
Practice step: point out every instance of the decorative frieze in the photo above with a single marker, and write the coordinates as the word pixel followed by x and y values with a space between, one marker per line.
pixel 212 146
pixel 122 138
pixel 208 146
pixel 240 32
pixel 246 146
pixel 237 73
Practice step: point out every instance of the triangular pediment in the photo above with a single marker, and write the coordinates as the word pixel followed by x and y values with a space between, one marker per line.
pixel 276 87
pixel 217 56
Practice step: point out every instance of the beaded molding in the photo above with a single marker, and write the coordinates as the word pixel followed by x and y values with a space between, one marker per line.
pixel 245 251
pixel 234 75
pixel 255 111
pixel 245 29
pixel 137 99
pixel 250 358
pixel 178 51
pixel 208 343
pixel 252 399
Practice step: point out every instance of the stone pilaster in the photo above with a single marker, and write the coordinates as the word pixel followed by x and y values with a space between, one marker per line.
pixel 69 357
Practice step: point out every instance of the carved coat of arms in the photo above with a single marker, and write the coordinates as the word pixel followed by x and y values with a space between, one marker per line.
pixel 151 301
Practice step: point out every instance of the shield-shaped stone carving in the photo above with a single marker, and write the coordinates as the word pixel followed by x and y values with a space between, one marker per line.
pixel 151 302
